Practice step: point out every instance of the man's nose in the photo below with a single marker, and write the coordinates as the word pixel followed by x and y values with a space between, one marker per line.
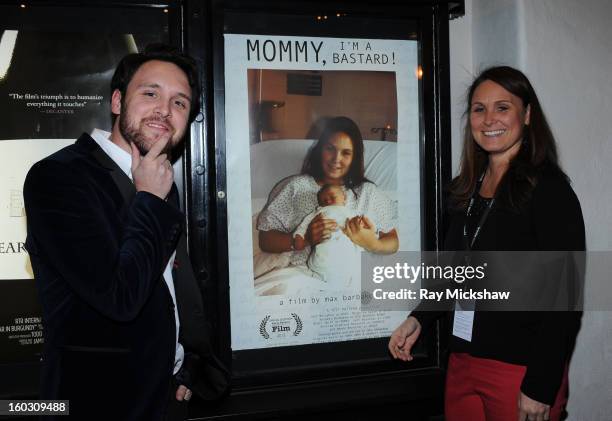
pixel 163 109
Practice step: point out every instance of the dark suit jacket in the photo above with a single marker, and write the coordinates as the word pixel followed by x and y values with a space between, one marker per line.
pixel 98 251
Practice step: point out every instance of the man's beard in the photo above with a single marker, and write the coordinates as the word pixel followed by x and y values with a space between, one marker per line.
pixel 133 135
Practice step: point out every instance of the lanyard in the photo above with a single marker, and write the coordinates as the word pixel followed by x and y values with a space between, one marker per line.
pixel 467 242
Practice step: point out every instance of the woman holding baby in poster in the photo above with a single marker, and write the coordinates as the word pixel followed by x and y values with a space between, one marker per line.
pixel 344 206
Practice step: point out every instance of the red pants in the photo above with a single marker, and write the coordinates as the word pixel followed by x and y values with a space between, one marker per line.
pixel 479 389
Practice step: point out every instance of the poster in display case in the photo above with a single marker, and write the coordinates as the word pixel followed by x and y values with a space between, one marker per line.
pixel 281 94
pixel 280 79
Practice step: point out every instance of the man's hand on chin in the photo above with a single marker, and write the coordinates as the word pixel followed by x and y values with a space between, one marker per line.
pixel 182 393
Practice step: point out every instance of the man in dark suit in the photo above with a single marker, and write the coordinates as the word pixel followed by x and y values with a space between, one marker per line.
pixel 125 333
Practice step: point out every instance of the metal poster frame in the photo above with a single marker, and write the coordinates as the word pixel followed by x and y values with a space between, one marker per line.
pixel 258 373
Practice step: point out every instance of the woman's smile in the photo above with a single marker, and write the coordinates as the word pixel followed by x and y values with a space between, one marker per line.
pixel 333 168
pixel 494 133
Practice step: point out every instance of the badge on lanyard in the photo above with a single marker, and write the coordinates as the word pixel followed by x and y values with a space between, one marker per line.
pixel 463 322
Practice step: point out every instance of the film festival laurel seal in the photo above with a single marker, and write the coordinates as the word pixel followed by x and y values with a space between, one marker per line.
pixel 280 327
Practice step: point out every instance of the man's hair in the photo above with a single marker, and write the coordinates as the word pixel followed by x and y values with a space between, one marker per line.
pixel 129 64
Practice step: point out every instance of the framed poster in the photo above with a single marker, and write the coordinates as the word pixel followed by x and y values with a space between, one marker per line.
pixel 280 93
pixel 280 77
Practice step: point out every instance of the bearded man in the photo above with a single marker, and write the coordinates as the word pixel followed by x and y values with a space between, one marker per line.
pixel 125 333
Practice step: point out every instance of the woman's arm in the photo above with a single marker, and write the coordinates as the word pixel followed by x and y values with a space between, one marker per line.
pixel 275 241
pixel 361 231
pixel 388 242
pixel 302 228
pixel 281 216
pixel 559 226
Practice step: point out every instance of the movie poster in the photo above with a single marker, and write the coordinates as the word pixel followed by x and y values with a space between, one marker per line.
pixel 53 87
pixel 280 93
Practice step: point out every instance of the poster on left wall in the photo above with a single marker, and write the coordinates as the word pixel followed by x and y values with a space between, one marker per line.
pixel 53 87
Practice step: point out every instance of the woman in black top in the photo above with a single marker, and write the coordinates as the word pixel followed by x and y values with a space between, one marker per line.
pixel 509 173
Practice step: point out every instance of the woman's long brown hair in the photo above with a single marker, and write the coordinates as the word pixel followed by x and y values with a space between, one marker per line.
pixel 538 148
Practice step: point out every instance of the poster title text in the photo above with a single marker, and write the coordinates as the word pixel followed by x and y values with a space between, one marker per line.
pixel 300 51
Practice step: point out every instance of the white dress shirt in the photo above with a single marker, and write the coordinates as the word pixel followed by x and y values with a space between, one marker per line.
pixel 124 161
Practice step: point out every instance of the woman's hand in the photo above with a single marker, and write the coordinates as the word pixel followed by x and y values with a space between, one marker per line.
pixel 320 229
pixel 299 243
pixel 532 410
pixel 361 231
pixel 402 339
